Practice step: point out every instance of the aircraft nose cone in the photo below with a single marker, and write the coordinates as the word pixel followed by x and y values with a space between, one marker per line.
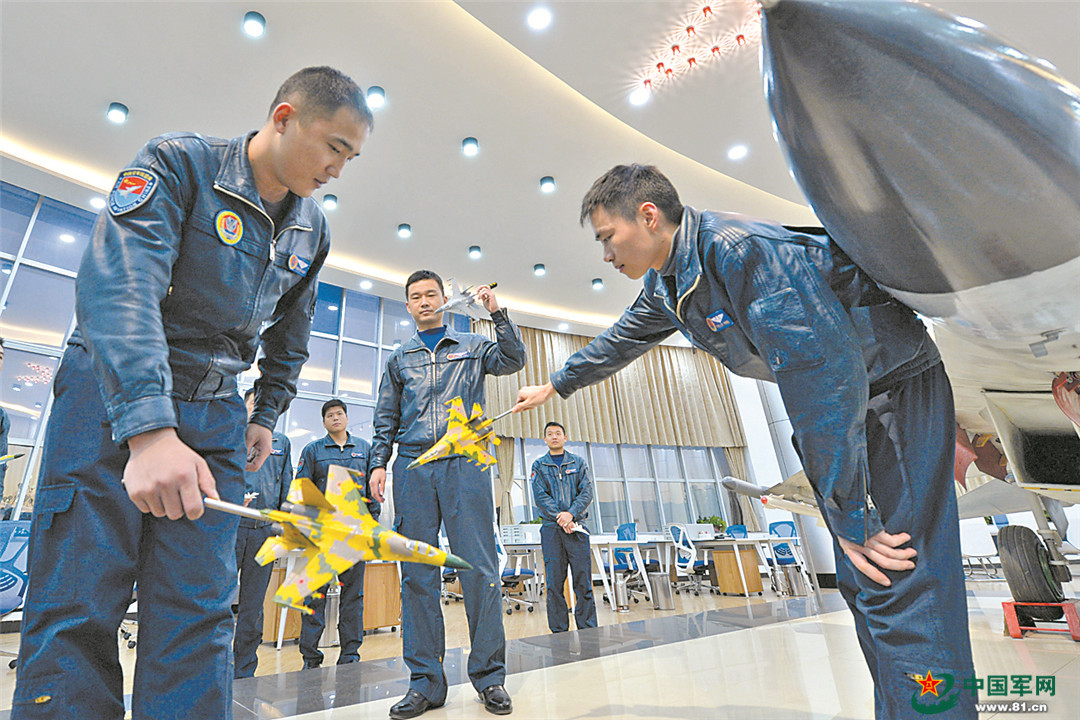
pixel 926 145
pixel 453 561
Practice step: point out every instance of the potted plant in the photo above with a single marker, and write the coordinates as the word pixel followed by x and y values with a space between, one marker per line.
pixel 716 521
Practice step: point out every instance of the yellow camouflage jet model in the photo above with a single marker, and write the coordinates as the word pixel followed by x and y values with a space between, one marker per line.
pixel 335 531
pixel 465 435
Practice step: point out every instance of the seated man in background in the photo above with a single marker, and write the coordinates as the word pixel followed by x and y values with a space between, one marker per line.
pixel 562 491
pixel 264 489
pixel 339 447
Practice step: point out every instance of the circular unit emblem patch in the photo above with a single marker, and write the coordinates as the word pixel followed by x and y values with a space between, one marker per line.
pixel 230 228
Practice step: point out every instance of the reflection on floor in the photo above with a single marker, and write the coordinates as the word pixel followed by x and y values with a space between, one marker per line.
pixel 710 658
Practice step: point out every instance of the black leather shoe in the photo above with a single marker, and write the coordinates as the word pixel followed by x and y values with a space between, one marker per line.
pixel 412 705
pixel 496 700
pixel 312 665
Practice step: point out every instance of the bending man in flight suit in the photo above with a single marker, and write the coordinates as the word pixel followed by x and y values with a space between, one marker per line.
pixel 863 384
pixel 268 487
pixel 562 490
pixel 339 447
pixel 436 365
pixel 204 243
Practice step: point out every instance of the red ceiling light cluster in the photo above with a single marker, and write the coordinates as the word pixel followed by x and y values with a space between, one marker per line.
pixel 705 33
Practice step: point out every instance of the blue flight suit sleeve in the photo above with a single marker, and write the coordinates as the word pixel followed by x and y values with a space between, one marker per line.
pixel 286 475
pixel 285 344
pixel 387 417
pixel 542 492
pixel 123 279
pixel 642 326
pixel 507 354
pixel 803 332
pixel 583 494
pixel 306 467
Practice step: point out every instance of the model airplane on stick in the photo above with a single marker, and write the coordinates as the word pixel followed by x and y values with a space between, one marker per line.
pixel 334 531
pixel 461 298
pixel 468 435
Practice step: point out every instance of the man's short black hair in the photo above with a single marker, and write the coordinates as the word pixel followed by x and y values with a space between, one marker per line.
pixel 423 275
pixel 554 424
pixel 331 404
pixel 249 393
pixel 622 189
pixel 321 91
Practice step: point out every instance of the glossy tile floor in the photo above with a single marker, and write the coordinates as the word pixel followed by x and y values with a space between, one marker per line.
pixel 710 658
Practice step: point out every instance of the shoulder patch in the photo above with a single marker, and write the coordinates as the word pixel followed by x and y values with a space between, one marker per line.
pixel 298 264
pixel 133 188
pixel 230 228
pixel 719 321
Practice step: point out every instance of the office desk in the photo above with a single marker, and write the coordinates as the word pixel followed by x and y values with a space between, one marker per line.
pixel 599 544
pixel 762 544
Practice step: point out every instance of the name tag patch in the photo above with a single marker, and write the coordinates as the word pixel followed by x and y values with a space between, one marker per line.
pixel 719 321
pixel 229 226
pixel 277 451
pixel 358 454
pixel 571 470
pixel 299 265
pixel 133 188
pixel 458 355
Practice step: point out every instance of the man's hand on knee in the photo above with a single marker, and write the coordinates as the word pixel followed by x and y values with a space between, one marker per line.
pixel 165 477
pixel 880 551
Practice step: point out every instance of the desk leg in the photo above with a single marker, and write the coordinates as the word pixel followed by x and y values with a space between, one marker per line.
pixel 290 563
pixel 742 573
pixel 598 558
pixel 641 569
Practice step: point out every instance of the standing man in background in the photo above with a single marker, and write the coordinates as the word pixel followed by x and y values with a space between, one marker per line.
pixel 208 250
pixel 339 447
pixel 264 489
pixel 562 490
pixel 434 366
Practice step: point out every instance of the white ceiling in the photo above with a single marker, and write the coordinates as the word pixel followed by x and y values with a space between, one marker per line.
pixel 551 103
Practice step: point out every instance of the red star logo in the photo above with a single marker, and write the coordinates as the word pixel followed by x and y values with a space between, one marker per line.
pixel 929 684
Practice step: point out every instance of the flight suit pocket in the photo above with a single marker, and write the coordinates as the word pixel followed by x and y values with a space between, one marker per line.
pixel 786 341
pixel 39 697
pixel 49 501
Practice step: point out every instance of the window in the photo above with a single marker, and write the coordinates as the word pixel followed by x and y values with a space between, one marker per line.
pixel 676 505
pixel 706 499
pixel 644 506
pixel 397 324
pixel 635 461
pixel 666 461
pixel 25 381
pixel 60 235
pixel 605 461
pixel 610 505
pixel 39 307
pixel 356 377
pixel 327 309
pixel 16 208
pixel 696 462
pixel 361 316
pixel 317 375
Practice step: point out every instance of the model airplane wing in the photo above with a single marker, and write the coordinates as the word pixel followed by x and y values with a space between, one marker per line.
pixel 467 436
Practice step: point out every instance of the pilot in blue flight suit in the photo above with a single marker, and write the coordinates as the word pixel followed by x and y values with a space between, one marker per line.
pixel 207 250
pixel 433 367
pixel 562 491
pixel 866 393
pixel 264 489
pixel 339 447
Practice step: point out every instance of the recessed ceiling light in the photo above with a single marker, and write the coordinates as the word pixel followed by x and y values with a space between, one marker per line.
pixel 254 24
pixel 539 269
pixel 404 231
pixel 470 146
pixel 539 18
pixel 376 97
pixel 405 323
pixel 563 327
pixel 737 152
pixel 474 252
pixel 597 284
pixel 332 308
pixel 329 202
pixel 641 94
pixel 98 203
pixel 365 284
pixel 6 270
pixel 16 387
pixel 117 113
pixel 68 238
pixel 547 184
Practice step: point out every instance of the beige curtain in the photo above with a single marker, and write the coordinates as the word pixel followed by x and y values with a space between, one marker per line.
pixel 504 458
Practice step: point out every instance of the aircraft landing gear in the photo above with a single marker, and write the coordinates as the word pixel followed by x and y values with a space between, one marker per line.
pixel 1025 562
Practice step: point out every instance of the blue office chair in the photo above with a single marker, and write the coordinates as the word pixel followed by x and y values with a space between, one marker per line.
pixel 511 576
pixel 687 564
pixel 783 552
pixel 626 564
pixel 14 547
pixel 736 531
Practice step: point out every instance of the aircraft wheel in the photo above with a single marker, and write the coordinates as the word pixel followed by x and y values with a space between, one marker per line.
pixel 1025 562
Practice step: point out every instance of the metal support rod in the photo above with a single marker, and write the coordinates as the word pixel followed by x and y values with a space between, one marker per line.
pixel 233 509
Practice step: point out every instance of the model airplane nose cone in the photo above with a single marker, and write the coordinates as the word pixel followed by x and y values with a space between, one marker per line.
pixel 453 561
pixel 937 156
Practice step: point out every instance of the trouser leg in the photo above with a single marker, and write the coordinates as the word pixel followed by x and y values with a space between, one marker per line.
pixel 82 559
pixel 187 582
pixel 468 513
pixel 423 636
pixel 919 624
pixel 351 615
pixel 254 579
pixel 555 562
pixel 579 555
pixel 311 628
